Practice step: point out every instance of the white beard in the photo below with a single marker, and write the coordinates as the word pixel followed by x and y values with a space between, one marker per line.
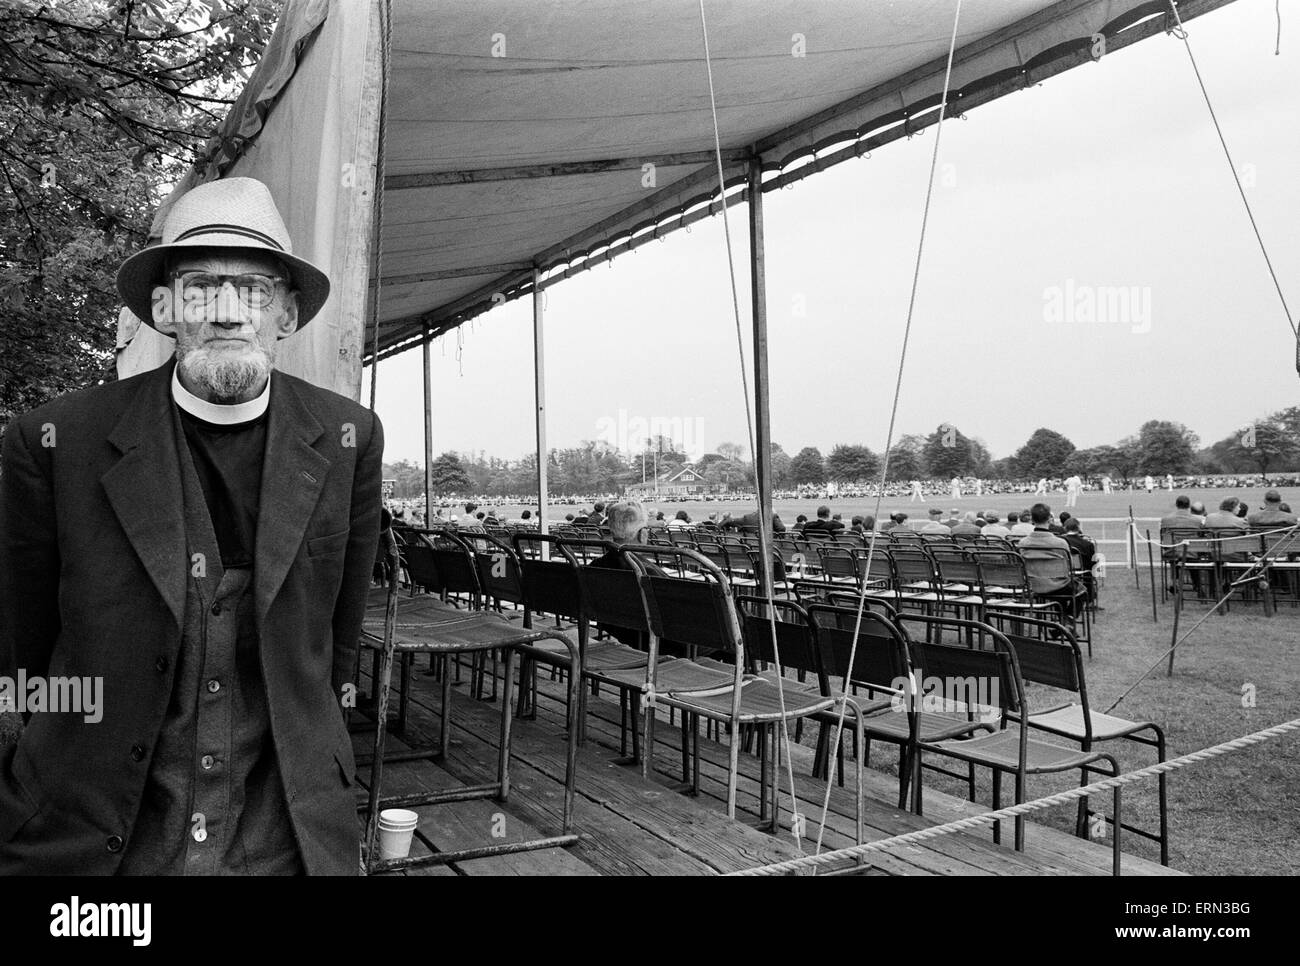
pixel 226 374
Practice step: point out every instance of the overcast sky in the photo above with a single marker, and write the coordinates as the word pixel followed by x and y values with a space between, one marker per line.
pixel 1106 176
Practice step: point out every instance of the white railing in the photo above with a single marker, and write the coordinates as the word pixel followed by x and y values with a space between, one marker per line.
pixel 1112 538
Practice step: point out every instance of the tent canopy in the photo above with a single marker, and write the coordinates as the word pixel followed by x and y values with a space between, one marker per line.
pixel 556 134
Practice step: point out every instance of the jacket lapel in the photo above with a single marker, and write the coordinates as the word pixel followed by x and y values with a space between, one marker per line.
pixel 293 474
pixel 144 487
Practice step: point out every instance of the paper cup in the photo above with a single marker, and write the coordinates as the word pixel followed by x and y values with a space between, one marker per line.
pixel 396 828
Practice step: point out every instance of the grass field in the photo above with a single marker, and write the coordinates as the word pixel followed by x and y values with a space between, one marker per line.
pixel 1091 504
pixel 1231 815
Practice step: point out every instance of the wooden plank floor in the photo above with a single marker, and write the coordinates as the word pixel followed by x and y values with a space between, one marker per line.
pixel 633 826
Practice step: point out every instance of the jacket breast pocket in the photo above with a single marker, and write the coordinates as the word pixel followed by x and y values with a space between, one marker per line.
pixel 328 545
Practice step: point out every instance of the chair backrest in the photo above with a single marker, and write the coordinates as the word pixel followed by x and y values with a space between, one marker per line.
pixel 696 611
pixel 499 571
pixel 1192 540
pixel 913 565
pixel 880 661
pixel 419 561
pixel 453 563
pixel 974 677
pixel 682 538
pixel 849 599
pixel 1048 654
pixel 762 619
pixel 955 566
pixel 841 562
pixel 608 595
pixel 550 586
pixel 1280 544
pixel 1235 544
pixel 1001 570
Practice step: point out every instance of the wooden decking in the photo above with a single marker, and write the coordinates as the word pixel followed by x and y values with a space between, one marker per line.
pixel 632 826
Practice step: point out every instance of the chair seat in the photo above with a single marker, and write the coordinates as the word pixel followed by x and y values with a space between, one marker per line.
pixel 1068 722
pixel 1001 749
pixel 931 725
pixel 760 699
pixel 601 655
pixel 671 674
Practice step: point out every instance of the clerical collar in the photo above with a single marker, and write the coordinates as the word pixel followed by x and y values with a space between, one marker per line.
pixel 216 413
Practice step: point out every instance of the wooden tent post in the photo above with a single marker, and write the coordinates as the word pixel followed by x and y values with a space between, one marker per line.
pixel 762 413
pixel 539 382
pixel 428 432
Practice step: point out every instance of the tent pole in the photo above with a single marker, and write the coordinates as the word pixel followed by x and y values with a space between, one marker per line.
pixel 428 432
pixel 762 413
pixel 539 382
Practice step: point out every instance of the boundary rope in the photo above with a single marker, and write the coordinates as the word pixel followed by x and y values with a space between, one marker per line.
pixel 1050 801
pixel 832 752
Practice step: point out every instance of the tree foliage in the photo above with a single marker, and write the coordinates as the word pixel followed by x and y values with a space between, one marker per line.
pixel 1166 447
pixel 1046 453
pixel 104 105
pixel 852 464
pixel 808 467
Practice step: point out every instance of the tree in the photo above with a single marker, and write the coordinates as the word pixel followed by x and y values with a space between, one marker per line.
pixel 981 460
pixel 1166 447
pixel 409 477
pixel 1260 445
pixel 448 476
pixel 1045 453
pixel 851 464
pixel 947 452
pixel 731 451
pixel 1125 456
pixel 808 467
pixel 780 467
pixel 906 458
pixel 105 104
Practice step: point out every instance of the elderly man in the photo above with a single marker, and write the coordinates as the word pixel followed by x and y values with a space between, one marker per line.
pixel 199 538
pixel 1271 513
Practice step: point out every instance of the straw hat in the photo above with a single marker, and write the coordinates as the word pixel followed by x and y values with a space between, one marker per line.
pixel 230 213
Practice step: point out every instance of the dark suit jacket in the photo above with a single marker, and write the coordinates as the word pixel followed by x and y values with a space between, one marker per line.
pixel 92 583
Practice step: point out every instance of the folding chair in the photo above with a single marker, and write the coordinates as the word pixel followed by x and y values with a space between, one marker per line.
pixel 702 612
pixel 880 665
pixel 1052 659
pixel 1009 749
pixel 796 638
pixel 1282 562
pixel 1047 568
pixel 550 586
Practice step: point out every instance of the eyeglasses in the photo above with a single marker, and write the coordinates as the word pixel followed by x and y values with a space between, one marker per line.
pixel 253 290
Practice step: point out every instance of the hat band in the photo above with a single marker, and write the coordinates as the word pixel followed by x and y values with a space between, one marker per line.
pixel 229 230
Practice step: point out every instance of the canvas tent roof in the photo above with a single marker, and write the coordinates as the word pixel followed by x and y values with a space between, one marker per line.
pixel 518 132
pixel 497 164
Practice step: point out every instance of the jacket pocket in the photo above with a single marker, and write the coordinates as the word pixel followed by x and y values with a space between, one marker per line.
pixel 331 543
pixel 347 765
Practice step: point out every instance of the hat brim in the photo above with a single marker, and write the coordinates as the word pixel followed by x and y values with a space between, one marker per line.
pixel 141 272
